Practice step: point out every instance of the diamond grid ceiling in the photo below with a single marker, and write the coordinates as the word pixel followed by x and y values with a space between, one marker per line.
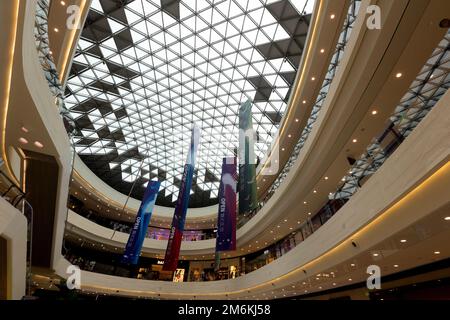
pixel 146 70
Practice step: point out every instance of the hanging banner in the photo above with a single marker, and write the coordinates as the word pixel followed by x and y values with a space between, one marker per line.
pixel 247 163
pixel 226 222
pixel 137 235
pixel 179 217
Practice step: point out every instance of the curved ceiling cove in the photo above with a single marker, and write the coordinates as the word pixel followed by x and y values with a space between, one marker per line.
pixel 146 70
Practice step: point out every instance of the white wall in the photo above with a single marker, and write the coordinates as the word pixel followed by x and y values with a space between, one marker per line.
pixel 13 227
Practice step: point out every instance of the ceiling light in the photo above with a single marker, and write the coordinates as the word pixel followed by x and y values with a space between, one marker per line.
pixel 322 50
pixel 447 218
pixel 326 178
pixel 304 101
pixel 395 265
pixel 38 144
pixel 56 30
pixel 296 120
pixel 332 16
pixel 289 136
pixel 350 279
pixel 398 75
pixel 23 140
pixel 315 191
pixel 24 129
pixel 304 202
pixel 313 78
pixel 282 149
pixel 354 140
pixel 352 264
pixel 403 240
pixel 334 283
pixel 374 112
pixel 375 254
pixel 437 252
pixel 309 213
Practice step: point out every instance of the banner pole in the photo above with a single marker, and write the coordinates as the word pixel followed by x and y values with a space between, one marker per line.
pixel 131 190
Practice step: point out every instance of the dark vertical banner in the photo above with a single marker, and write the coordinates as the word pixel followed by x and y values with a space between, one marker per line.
pixel 247 163
pixel 179 217
pixel 137 235
pixel 226 222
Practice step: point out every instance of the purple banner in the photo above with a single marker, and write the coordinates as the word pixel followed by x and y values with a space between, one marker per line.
pixel 226 222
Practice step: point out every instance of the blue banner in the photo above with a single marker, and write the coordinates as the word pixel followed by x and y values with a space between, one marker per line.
pixel 137 235
pixel 179 217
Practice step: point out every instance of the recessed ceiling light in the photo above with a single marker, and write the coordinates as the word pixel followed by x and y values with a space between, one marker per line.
pixel 350 279
pixel 352 264
pixel 304 101
pixel 23 140
pixel 403 240
pixel 399 75
pixel 304 202
pixel 315 191
pixel 437 252
pixel 285 220
pixel 375 254
pixel 354 140
pixel 309 213
pixel 38 144
pixel 374 112
pixel 326 178
pixel 322 50
pixel 63 3
pixel 56 30
pixel 395 265
pixel 313 78
pixel 296 120
pixel 447 218
pixel 289 136
pixel 24 129
pixel 332 16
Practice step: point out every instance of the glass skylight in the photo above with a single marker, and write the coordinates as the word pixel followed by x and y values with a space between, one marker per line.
pixel 146 70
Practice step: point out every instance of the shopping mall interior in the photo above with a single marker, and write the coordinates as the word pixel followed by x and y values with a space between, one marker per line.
pixel 225 150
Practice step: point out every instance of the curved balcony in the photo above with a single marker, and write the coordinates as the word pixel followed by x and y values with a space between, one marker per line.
pixel 248 231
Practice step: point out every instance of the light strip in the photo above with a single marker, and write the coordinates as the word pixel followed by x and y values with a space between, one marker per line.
pixel 438 174
pixel 72 44
pixel 9 68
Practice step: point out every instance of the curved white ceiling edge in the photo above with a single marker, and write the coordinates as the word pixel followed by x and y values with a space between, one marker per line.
pixel 133 204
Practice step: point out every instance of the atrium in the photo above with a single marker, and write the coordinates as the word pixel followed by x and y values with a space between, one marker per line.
pixel 225 150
